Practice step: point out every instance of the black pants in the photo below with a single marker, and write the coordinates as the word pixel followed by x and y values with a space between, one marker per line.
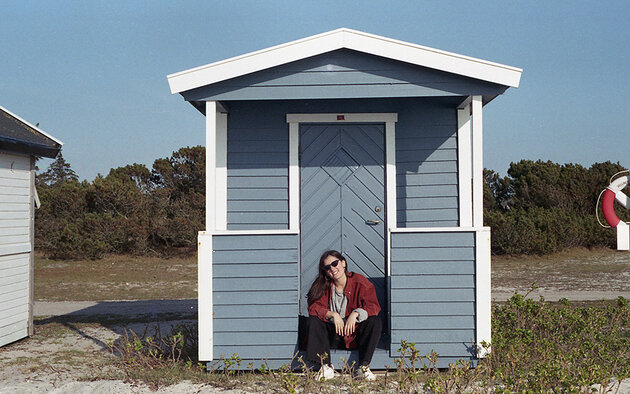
pixel 322 337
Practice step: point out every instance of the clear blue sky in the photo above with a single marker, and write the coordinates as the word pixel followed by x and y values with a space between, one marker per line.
pixel 93 73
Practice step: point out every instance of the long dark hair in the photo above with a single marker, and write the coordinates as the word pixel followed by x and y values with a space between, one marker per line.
pixel 322 282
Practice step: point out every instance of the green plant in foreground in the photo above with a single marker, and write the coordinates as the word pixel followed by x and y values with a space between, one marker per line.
pixel 537 347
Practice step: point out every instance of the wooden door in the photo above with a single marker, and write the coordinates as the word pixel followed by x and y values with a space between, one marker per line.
pixel 342 197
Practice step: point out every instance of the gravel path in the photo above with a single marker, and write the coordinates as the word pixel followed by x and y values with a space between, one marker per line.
pixel 121 308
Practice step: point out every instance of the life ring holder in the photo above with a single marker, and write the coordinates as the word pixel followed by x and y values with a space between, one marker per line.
pixel 612 192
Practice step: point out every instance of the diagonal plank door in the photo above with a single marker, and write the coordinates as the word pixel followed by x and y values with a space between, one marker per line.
pixel 342 197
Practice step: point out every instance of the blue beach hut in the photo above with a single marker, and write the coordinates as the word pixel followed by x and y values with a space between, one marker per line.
pixel 349 141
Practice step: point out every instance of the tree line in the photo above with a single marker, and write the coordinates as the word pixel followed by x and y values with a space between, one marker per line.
pixel 538 208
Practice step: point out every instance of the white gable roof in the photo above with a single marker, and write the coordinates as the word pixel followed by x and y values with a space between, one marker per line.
pixel 338 39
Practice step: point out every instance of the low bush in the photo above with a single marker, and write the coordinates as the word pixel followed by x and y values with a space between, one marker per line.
pixel 537 346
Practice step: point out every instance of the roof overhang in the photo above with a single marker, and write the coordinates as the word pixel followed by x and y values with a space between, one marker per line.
pixel 350 39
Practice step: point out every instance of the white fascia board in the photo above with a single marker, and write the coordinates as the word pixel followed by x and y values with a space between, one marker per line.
pixel 31 126
pixel 344 38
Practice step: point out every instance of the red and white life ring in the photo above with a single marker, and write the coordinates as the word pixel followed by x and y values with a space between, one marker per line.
pixel 614 192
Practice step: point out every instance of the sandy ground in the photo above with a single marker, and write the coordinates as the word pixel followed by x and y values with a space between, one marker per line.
pixel 56 361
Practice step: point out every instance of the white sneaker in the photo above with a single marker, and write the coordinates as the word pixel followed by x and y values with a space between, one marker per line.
pixel 326 372
pixel 364 373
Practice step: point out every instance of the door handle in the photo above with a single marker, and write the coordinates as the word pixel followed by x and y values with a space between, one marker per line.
pixel 372 222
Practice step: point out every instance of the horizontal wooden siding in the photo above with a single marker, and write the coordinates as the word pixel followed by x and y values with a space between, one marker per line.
pixel 426 167
pixel 15 246
pixel 258 175
pixel 432 292
pixel 255 296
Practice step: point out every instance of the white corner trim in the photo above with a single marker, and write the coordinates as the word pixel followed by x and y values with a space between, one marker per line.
pixel 205 306
pixel 390 184
pixel 31 125
pixel 344 38
pixel 221 171
pixel 211 162
pixel 464 165
pixel 483 295
pixel 477 161
pixel 294 177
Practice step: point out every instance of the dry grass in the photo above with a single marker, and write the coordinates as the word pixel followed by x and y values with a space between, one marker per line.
pixel 573 269
pixel 115 278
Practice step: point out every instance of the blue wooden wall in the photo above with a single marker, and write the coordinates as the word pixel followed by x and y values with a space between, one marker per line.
pixel 433 292
pixel 255 281
pixel 426 159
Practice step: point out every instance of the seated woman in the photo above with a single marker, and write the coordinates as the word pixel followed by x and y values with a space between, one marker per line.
pixel 343 313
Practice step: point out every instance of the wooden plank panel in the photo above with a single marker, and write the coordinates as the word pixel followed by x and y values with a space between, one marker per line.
pixel 434 223
pixel 12 223
pixel 255 284
pixel 259 352
pixel 421 215
pixel 259 241
pixel 247 133
pixel 15 199
pixel 14 303
pixel 426 191
pixel 14 215
pixel 259 146
pixel 260 311
pixel 255 338
pixel 15 162
pixel 433 282
pixel 255 297
pixel 256 324
pixel 253 270
pixel 257 194
pixel 433 308
pixel 14 261
pixel 258 206
pixel 422 142
pixel 447 178
pixel 253 256
pixel 447 253
pixel 421 155
pixel 7 173
pixel 237 171
pixel 423 295
pixel 463 349
pixel 14 315
pixel 427 167
pixel 14 239
pixel 433 322
pixel 15 248
pixel 6 339
pixel 421 254
pixel 433 336
pixel 258 217
pixel 268 182
pixel 14 275
pixel 15 293
pixel 14 191
pixel 9 231
pixel 15 182
pixel 265 226
pixel 427 203
pixel 13 328
pixel 433 267
pixel 258 158
pixel 440 239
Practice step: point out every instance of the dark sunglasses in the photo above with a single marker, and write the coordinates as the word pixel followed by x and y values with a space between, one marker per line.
pixel 333 264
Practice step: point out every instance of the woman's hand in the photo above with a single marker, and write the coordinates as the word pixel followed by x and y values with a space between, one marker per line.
pixel 350 323
pixel 337 320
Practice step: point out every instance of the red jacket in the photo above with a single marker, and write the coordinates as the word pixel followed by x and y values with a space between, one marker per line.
pixel 360 293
